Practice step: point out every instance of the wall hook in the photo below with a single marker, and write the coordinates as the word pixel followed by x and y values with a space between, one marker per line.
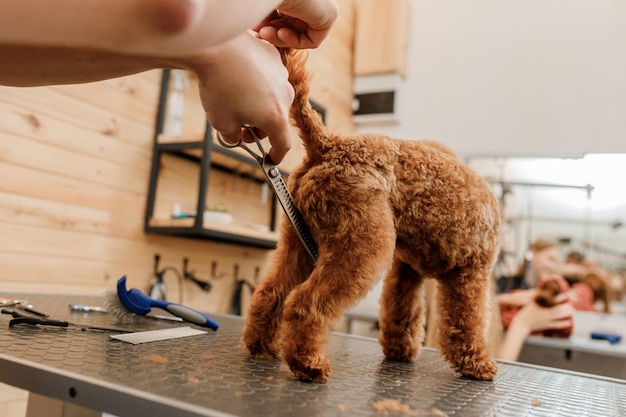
pixel 257 275
pixel 214 274
pixel 236 272
pixel 204 285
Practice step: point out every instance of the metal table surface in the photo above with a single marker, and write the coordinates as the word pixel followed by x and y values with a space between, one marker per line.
pixel 581 344
pixel 212 375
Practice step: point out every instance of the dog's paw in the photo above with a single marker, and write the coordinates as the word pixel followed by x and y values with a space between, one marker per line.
pixel 401 355
pixel 261 349
pixel 263 354
pixel 484 370
pixel 317 370
pixel 400 349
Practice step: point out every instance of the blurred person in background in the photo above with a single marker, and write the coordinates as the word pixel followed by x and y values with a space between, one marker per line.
pixel 543 258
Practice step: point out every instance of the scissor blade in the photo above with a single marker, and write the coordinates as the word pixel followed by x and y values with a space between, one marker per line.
pixel 291 210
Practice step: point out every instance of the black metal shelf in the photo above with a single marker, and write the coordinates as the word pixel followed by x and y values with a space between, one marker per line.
pixel 185 150
pixel 204 233
pixel 204 152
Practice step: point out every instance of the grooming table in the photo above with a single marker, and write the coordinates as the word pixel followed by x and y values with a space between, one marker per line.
pixel 212 375
pixel 579 352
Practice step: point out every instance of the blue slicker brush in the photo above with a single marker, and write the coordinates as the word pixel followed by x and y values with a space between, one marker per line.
pixel 139 303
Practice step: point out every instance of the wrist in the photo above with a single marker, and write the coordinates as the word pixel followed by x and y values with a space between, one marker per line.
pixel 519 326
pixel 203 61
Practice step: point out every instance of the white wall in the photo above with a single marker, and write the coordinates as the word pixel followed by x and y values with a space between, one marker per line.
pixel 516 77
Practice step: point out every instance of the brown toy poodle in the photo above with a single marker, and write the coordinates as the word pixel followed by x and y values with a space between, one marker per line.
pixel 375 204
pixel 548 288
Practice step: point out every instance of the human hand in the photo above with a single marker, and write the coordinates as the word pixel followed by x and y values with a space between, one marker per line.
pixel 532 317
pixel 573 296
pixel 244 82
pixel 517 298
pixel 299 23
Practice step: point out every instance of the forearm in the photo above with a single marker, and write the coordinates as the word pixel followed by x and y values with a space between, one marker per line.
pixel 28 66
pixel 514 340
pixel 150 27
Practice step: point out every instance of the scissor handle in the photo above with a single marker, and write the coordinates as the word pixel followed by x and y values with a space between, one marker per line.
pixel 261 158
pixel 35 321
pixel 225 144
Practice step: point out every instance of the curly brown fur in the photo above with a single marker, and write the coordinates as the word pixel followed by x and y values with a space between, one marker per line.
pixel 548 288
pixel 600 289
pixel 546 293
pixel 376 204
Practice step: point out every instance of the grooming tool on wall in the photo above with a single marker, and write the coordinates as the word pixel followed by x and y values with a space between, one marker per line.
pixel 19 318
pixel 134 301
pixel 274 178
pixel 189 275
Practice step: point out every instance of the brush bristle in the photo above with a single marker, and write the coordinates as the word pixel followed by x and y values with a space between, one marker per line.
pixel 116 308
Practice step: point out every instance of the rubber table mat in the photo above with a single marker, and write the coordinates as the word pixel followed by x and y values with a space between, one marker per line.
pixel 212 375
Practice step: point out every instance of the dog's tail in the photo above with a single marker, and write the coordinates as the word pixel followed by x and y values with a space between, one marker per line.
pixel 308 121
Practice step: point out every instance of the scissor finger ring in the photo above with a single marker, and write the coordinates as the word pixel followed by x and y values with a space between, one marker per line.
pixel 226 144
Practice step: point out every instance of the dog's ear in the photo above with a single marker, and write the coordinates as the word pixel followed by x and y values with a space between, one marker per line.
pixel 547 291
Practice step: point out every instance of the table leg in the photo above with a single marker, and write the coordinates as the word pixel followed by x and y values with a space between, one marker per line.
pixel 42 406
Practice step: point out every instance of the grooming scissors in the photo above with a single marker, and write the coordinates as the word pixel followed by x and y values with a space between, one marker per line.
pixel 273 176
pixel 19 318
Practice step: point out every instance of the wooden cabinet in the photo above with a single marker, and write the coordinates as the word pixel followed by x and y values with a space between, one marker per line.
pixel 198 189
pixel 380 44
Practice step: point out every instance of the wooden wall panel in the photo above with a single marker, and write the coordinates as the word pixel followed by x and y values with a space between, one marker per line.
pixel 19 120
pixel 74 166
pixel 26 181
pixel 332 70
pixel 381 37
pixel 39 212
pixel 53 159
pixel 74 111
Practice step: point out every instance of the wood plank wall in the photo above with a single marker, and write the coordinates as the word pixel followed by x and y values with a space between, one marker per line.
pixel 74 165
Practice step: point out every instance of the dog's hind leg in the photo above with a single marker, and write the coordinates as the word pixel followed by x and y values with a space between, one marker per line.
pixel 402 313
pixel 312 308
pixel 346 270
pixel 291 266
pixel 464 318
